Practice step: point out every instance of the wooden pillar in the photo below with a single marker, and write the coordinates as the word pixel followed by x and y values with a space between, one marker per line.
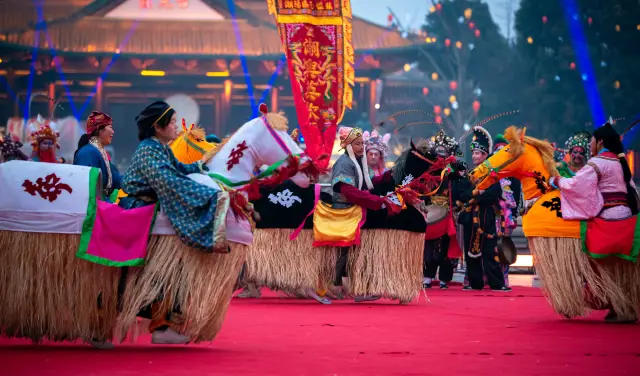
pixel 99 101
pixel 373 84
pixel 226 104
pixel 274 100
pixel 51 93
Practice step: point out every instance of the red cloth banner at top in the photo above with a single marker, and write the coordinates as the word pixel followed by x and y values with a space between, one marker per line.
pixel 316 35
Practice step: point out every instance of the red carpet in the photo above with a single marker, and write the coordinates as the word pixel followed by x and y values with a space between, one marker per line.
pixel 457 332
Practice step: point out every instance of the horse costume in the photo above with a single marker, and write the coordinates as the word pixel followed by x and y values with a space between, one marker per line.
pixel 578 270
pixel 387 261
pixel 48 208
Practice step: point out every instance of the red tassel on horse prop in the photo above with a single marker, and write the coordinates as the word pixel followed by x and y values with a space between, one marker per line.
pixel 263 109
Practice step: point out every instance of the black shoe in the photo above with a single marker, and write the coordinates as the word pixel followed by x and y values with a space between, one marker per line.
pixel 503 289
pixel 426 285
pixel 443 286
pixel 469 288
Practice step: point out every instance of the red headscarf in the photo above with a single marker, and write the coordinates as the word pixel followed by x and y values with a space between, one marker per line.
pixel 98 120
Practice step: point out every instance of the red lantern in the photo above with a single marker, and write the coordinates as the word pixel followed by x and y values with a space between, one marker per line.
pixel 439 6
pixel 453 85
pixel 439 119
pixel 425 91
pixel 437 109
pixel 471 25
pixel 447 42
pixel 572 65
pixel 477 33
pixel 590 20
pixel 544 19
pixel 390 17
pixel 476 107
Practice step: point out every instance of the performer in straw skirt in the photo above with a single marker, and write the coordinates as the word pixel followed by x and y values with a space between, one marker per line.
pixel 479 221
pixel 45 144
pixel 579 153
pixel 603 189
pixel 193 209
pixel 351 184
pixel 437 251
pixel 377 147
pixel 91 151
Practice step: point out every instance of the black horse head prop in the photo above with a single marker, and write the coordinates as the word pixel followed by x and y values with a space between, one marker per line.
pixel 414 162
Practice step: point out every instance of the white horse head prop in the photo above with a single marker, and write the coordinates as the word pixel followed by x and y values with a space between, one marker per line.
pixel 261 141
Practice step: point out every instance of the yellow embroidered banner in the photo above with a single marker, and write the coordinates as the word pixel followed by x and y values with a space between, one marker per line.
pixel 316 36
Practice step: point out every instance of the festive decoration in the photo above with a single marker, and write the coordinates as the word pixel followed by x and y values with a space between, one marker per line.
pixel 447 111
pixel 425 91
pixel 530 40
pixel 407 67
pixel 618 28
pixel 434 76
pixel 467 13
pixel 437 109
pixel 439 6
pixel 616 84
pixel 235 155
pixel 453 85
pixel 476 107
pixel 477 33
pixel 472 25
pixel 439 119
pixel 452 99
pixel 544 19
pixel 447 42
pixel 320 56
pixel 572 65
pixel 48 188
pixel 459 44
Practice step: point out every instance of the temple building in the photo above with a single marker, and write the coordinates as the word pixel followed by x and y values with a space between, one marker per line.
pixel 211 59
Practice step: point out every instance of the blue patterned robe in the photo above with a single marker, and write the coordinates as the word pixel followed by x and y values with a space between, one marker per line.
pixel 196 212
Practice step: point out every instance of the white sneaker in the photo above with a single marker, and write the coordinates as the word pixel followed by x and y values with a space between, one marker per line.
pixel 169 337
pixel 102 345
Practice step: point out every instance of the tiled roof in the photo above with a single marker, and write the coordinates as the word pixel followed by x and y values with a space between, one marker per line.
pixel 94 34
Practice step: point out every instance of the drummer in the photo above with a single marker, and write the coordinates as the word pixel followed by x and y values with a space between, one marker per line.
pixel 509 202
pixel 479 222
pixel 441 252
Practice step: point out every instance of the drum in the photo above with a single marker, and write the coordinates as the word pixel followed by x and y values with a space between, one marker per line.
pixel 437 221
pixel 507 252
